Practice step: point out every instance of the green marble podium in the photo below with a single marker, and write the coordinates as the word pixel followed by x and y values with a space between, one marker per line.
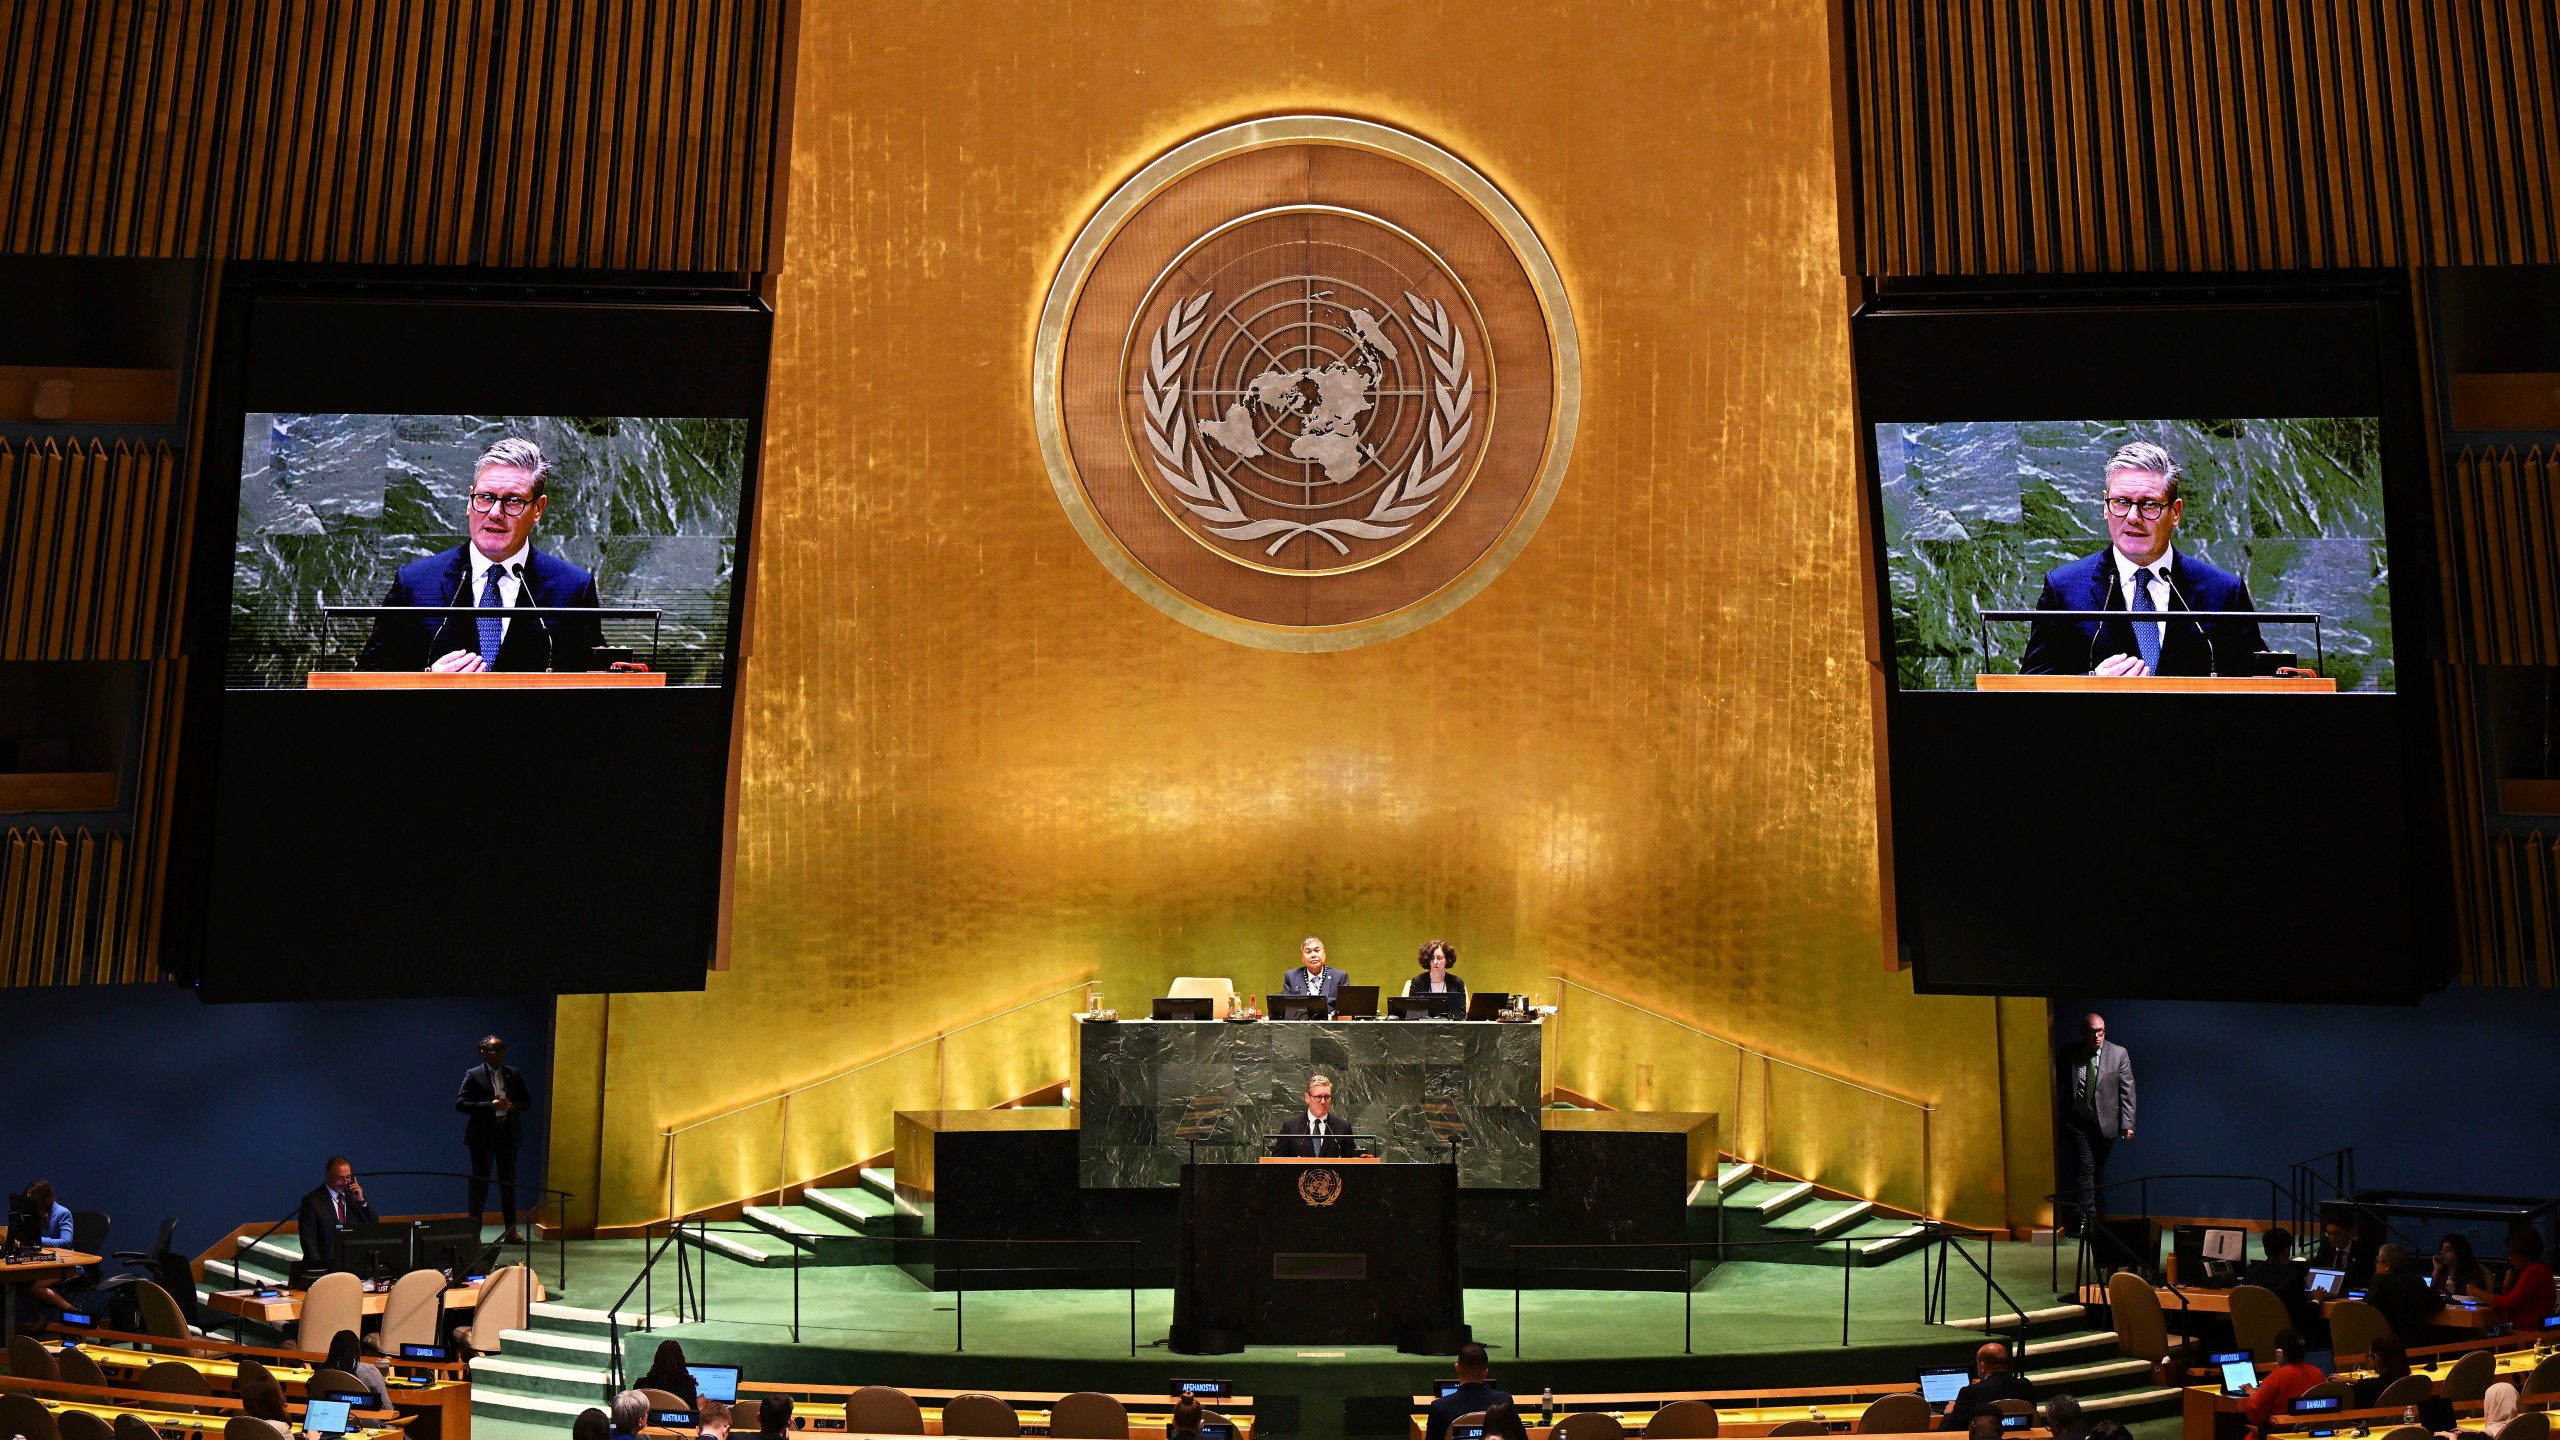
pixel 1146 1089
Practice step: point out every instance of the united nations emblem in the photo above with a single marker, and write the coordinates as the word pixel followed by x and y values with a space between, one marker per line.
pixel 1319 1186
pixel 1307 383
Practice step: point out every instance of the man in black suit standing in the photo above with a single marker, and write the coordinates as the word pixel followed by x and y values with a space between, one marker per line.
pixel 1316 1134
pixel 496 1098
pixel 339 1201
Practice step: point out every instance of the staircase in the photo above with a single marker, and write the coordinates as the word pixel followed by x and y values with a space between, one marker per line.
pixel 2062 1356
pixel 548 1372
pixel 1757 1208
pixel 843 1226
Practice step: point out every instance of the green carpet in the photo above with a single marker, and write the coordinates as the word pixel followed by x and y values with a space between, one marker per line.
pixel 1747 1325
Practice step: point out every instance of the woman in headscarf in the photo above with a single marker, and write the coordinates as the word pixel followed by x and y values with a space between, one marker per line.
pixel 2497 1408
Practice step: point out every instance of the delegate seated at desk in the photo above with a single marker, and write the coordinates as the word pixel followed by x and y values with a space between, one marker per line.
pixel 1439 962
pixel 1312 976
pixel 1315 1134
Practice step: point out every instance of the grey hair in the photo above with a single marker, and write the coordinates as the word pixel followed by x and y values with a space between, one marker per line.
pixel 2150 459
pixel 630 1412
pixel 1319 1078
pixel 2393 1256
pixel 517 453
pixel 1310 940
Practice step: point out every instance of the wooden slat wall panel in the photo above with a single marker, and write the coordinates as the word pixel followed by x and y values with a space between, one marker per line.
pixel 598 134
pixel 2021 136
pixel 87 537
pixel 2504 546
pixel 85 557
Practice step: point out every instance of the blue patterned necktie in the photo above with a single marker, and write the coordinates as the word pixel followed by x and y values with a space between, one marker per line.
pixel 2145 636
pixel 492 631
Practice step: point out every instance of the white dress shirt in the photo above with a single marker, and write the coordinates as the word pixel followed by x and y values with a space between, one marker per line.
pixel 2159 586
pixel 497 1073
pixel 510 581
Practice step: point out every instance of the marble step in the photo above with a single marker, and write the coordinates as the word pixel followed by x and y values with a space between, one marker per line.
pixel 1882 1240
pixel 550 1412
pixel 546 1347
pixel 552 1317
pixel 881 1180
pixel 505 1373
pixel 775 1253
pixel 1822 1218
pixel 2011 1319
pixel 2118 1405
pixel 860 1209
pixel 818 1236
pixel 2046 1346
pixel 1768 1199
pixel 1733 1174
pixel 2080 1379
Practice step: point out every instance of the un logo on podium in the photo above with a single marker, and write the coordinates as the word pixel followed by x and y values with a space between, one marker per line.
pixel 1319 1186
pixel 1306 383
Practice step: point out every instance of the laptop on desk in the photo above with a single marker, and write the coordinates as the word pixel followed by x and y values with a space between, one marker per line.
pixel 2323 1284
pixel 1940 1383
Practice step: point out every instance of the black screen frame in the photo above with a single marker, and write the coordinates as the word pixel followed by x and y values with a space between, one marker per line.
pixel 314 841
pixel 2020 842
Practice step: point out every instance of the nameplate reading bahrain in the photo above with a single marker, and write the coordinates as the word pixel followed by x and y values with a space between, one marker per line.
pixel 1306 383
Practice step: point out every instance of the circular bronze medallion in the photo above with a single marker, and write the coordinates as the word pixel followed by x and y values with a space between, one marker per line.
pixel 1319 1186
pixel 1306 383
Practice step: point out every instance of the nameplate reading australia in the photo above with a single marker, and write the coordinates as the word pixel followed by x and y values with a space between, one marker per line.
pixel 1307 383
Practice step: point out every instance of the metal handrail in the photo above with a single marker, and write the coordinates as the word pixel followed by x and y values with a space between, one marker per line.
pixel 1744 1053
pixel 934 1039
pixel 1750 1049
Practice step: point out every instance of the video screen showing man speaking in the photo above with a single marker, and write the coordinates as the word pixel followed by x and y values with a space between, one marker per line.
pixel 466 546
pixel 2036 548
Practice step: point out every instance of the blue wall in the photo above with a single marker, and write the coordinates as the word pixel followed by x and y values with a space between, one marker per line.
pixel 2459 1092
pixel 143 1102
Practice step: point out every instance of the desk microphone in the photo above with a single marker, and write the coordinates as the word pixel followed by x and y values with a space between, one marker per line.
pixel 2211 660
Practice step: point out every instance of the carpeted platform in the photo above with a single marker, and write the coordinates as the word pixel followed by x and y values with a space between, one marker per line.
pixel 1749 1325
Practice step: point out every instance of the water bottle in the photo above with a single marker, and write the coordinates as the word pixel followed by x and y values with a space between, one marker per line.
pixel 2409 1416
pixel 1817 1415
pixel 1547 1407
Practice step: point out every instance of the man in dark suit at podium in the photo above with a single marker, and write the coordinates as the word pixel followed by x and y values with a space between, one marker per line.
pixel 1312 976
pixel 339 1201
pixel 1316 1134
pixel 499 568
pixel 2141 570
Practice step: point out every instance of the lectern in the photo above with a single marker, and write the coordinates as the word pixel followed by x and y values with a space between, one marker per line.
pixel 1345 1252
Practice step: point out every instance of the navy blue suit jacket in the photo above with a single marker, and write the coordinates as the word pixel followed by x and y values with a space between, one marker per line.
pixel 414 642
pixel 2194 647
pixel 1296 983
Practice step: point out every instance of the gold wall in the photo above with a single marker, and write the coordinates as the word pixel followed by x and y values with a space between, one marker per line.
pixel 976 768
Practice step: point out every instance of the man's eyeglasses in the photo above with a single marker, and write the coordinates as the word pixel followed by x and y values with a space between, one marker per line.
pixel 2117 505
pixel 484 502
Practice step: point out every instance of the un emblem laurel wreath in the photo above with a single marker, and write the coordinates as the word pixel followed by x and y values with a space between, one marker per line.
pixel 1400 501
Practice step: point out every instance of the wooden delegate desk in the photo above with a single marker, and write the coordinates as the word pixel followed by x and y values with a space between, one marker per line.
pixel 194 1416
pixel 286 1307
pixel 444 1407
pixel 2203 1407
pixel 55 1264
pixel 2462 1315
pixel 484 680
pixel 2164 684
pixel 1840 1406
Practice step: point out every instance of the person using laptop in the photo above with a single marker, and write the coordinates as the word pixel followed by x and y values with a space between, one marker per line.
pixel 346 1355
pixel 2275 1394
pixel 1312 976
pixel 1475 1393
pixel 1318 1134
pixel 261 1398
pixel 1439 962
pixel 2402 1294
pixel 2277 1271
pixel 667 1372
pixel 1993 1381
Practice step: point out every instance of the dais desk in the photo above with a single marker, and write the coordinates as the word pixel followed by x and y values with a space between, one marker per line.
pixel 43 1269
pixel 2463 1315
pixel 2164 684
pixel 286 1307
